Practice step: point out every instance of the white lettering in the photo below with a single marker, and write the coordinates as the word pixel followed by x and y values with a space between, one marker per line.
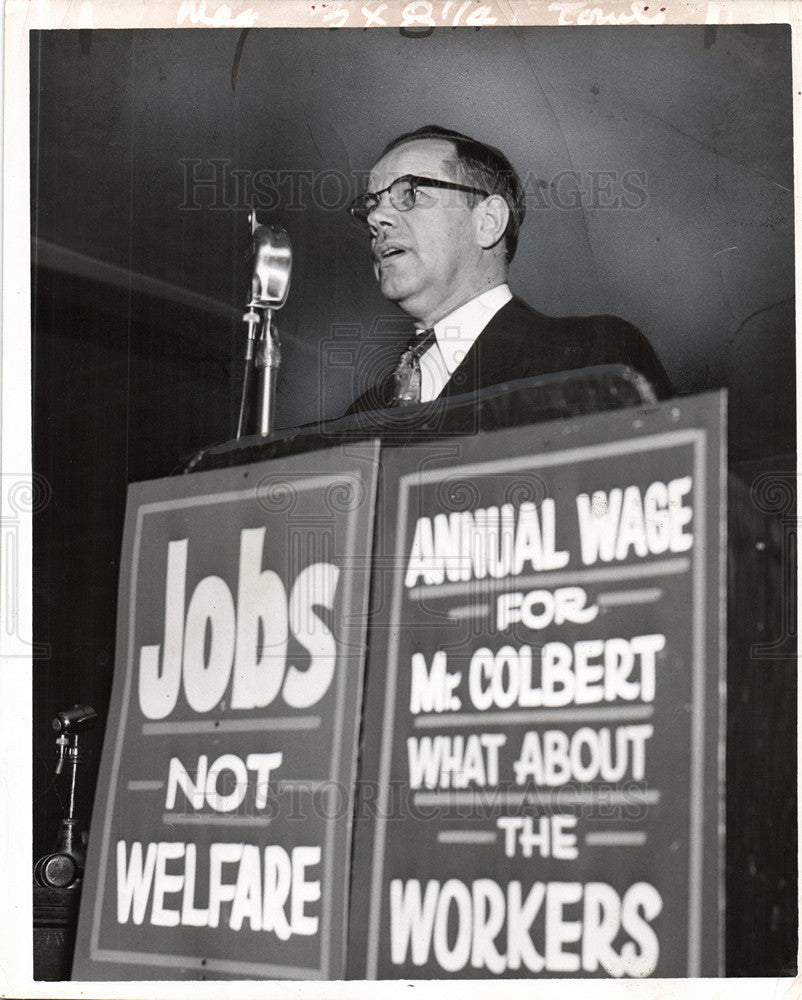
pixel 455 957
pixel 454 761
pixel 562 605
pixel 549 837
pixel 460 923
pixel 488 919
pixel 206 678
pixel 158 689
pixel 226 802
pixel 315 585
pixel 411 920
pixel 640 955
pixel 134 881
pixel 304 891
pixel 213 639
pixel 560 931
pixel 649 524
pixel 262 627
pixel 165 883
pixel 268 892
pixel 589 672
pixel 552 758
pixel 485 542
pixel 431 689
pixel 203 789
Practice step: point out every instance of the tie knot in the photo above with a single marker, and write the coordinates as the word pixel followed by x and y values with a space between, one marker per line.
pixel 420 344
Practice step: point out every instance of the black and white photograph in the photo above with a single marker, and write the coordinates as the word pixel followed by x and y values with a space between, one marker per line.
pixel 401 585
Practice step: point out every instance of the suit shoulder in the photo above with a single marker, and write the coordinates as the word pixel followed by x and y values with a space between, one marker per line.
pixel 601 339
pixel 624 343
pixel 592 326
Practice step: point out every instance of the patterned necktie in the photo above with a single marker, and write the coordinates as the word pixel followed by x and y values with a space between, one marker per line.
pixel 407 375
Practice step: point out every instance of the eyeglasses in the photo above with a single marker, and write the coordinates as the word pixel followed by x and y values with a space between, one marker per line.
pixel 403 193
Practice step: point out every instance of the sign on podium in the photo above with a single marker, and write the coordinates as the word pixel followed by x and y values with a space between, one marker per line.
pixel 532 783
pixel 220 838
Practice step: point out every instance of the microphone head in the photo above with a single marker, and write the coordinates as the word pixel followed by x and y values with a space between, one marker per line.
pixel 272 266
pixel 74 719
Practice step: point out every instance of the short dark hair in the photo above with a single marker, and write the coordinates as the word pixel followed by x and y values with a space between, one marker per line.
pixel 481 166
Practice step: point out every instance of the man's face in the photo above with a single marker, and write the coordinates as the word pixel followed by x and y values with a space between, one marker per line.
pixel 426 259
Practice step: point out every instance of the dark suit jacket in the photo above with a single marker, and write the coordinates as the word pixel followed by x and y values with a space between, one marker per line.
pixel 520 342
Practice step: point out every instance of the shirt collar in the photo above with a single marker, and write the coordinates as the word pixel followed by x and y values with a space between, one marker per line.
pixel 457 332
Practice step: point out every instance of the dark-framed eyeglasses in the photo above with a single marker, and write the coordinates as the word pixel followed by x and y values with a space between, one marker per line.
pixel 403 193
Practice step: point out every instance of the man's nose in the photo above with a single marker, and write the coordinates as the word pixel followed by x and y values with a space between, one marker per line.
pixel 383 215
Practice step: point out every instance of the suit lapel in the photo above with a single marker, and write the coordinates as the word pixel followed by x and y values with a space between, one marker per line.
pixel 499 352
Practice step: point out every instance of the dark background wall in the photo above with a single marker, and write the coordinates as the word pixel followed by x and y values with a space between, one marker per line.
pixel 658 167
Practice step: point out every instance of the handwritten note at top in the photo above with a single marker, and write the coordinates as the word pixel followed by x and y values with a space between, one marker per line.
pixel 421 16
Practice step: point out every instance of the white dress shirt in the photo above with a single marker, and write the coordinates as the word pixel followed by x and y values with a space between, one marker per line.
pixel 454 337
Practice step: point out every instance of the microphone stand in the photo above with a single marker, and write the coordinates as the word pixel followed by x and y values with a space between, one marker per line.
pixel 64 865
pixel 268 359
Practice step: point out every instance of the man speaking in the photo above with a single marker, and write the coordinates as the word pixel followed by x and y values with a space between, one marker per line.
pixel 443 212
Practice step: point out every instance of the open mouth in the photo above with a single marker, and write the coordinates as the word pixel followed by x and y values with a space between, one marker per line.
pixel 388 253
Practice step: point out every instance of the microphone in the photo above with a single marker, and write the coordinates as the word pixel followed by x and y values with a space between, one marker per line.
pixel 272 266
pixel 74 719
pixel 69 724
pixel 271 256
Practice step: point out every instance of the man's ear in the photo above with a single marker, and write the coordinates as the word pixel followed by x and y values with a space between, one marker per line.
pixel 491 217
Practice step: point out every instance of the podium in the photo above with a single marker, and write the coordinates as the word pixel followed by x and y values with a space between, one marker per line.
pixel 423 694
